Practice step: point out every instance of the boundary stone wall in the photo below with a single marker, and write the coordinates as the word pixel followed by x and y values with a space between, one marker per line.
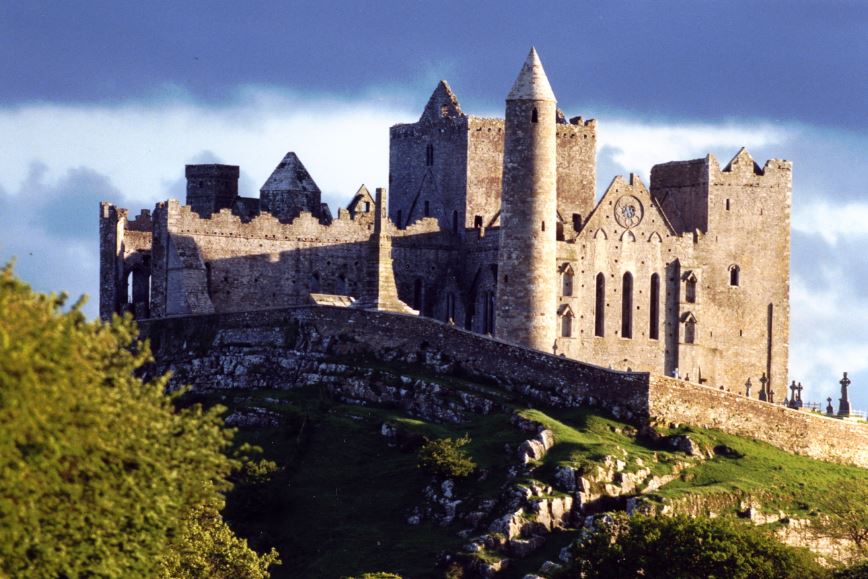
pixel 445 349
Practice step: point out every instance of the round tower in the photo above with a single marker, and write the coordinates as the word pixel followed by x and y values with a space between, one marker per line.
pixel 527 272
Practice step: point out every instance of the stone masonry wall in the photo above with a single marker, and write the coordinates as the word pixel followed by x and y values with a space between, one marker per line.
pixel 796 431
pixel 284 348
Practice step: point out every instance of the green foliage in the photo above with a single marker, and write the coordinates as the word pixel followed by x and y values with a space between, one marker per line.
pixel 857 571
pixel 686 548
pixel 100 474
pixel 845 516
pixel 444 457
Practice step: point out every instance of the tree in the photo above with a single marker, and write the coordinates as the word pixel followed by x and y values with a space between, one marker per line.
pixel 445 457
pixel 845 516
pixel 688 548
pixel 100 474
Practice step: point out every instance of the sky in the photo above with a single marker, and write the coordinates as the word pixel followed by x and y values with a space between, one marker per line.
pixel 108 100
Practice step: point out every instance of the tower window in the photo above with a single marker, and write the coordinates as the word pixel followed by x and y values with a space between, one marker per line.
pixel 734 272
pixel 727 204
pixel 444 111
pixel 429 155
pixel 534 116
pixel 577 221
pixel 567 326
pixel 600 306
pixel 654 317
pixel 543 226
pixel 567 283
pixel 690 290
pixel 627 306
pixel 427 209
pixel 690 331
pixel 477 221
pixel 367 206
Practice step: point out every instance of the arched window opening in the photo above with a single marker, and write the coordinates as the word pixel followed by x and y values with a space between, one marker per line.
pixel 477 221
pixel 455 222
pixel 627 306
pixel 429 155
pixel 567 282
pixel 427 209
pixel 128 287
pixel 314 283
pixel 487 312
pixel 341 286
pixel 567 326
pixel 654 309
pixel 690 290
pixel 577 221
pixel 690 331
pixel 734 272
pixel 534 116
pixel 600 306
pixel 444 111
pixel 417 294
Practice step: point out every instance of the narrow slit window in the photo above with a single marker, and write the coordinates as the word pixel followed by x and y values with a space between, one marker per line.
pixel 534 116
pixel 600 306
pixel 567 283
pixel 734 275
pixel 455 222
pixel 654 309
pixel 627 306
pixel 477 221
pixel 429 155
pixel 566 326
pixel 427 209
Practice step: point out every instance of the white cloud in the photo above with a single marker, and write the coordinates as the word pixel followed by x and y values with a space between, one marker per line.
pixel 832 221
pixel 144 146
pixel 637 146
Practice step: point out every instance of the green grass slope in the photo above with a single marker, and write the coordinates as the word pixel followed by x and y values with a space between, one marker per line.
pixel 338 503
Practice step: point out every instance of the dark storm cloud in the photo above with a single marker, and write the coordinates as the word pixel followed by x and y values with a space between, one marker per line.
pixel 795 60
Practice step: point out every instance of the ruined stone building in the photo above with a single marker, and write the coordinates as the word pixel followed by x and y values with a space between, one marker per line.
pixel 492 224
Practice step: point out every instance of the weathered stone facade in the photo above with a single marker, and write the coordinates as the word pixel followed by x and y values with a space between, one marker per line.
pixel 492 225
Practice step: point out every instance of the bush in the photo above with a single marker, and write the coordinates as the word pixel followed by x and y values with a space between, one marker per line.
pixel 444 457
pixel 688 548
pixel 101 474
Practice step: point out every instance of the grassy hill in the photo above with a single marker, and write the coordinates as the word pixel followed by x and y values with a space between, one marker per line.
pixel 338 500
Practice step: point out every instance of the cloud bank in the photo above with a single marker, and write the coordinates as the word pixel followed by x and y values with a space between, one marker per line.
pixel 57 161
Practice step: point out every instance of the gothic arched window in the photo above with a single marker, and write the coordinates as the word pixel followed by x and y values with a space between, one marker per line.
pixel 429 155
pixel 600 306
pixel 627 306
pixel 654 309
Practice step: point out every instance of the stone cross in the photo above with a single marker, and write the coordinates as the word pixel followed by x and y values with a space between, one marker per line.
pixel 747 386
pixel 844 406
pixel 793 387
pixel 830 409
pixel 799 388
pixel 764 395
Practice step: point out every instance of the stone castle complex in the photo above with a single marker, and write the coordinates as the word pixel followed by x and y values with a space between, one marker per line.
pixel 492 225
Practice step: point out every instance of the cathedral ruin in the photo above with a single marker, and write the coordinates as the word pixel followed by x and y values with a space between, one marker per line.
pixel 492 225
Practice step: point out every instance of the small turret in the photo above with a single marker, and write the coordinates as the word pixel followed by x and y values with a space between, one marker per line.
pixel 527 273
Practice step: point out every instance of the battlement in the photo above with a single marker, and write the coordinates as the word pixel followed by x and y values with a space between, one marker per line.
pixel 141 222
pixel 183 219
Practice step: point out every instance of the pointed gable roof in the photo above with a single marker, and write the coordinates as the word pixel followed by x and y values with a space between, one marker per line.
pixel 532 83
pixel 360 197
pixel 290 175
pixel 743 160
pixel 443 103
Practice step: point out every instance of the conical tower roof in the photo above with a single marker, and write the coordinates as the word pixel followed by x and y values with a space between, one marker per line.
pixel 532 83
